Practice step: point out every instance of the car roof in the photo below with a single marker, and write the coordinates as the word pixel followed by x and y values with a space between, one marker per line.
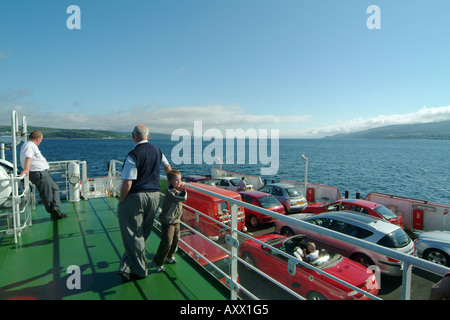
pixel 256 194
pixel 361 220
pixel 195 176
pixel 437 235
pixel 221 191
pixel 282 185
pixel 360 202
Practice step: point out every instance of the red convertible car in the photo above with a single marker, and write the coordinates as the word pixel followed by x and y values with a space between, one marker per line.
pixel 303 280
pixel 362 206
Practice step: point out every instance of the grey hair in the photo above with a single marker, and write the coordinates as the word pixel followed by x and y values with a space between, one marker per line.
pixel 140 132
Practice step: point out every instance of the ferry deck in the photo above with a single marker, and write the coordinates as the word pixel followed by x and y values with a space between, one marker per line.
pixel 77 258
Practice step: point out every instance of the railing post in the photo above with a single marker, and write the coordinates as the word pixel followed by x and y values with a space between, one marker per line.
pixel 406 281
pixel 232 240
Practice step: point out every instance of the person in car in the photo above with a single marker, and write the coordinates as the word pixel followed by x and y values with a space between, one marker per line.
pixel 311 253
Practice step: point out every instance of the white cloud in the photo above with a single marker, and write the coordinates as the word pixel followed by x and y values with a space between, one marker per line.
pixel 167 119
pixel 161 119
pixel 423 115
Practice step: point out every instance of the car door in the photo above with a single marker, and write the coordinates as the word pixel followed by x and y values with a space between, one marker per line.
pixel 249 200
pixel 278 193
pixel 276 265
pixel 319 239
pixel 359 209
pixel 224 183
pixel 266 189
pixel 333 207
pixel 340 246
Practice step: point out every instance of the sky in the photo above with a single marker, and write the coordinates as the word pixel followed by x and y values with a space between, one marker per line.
pixel 306 68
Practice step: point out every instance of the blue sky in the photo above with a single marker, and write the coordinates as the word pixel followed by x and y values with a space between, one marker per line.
pixel 307 68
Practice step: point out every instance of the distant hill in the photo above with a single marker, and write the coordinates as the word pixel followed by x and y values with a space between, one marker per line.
pixel 420 131
pixel 57 133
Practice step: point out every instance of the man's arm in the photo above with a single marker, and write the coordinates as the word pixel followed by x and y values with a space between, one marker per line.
pixel 27 164
pixel 165 164
pixel 167 168
pixel 125 189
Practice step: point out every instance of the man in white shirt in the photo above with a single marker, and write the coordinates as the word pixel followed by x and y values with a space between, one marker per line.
pixel 36 166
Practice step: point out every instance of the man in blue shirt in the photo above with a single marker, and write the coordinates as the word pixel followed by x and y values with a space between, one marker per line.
pixel 139 201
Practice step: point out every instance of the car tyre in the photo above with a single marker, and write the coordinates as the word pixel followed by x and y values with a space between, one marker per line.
pixel 287 232
pixel 254 221
pixel 314 295
pixel 247 257
pixel 362 259
pixel 437 256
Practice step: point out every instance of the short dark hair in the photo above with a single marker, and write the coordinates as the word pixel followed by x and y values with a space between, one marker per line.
pixel 35 135
pixel 172 173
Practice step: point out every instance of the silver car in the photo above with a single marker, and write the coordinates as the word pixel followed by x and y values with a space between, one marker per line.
pixel 361 226
pixel 290 196
pixel 434 246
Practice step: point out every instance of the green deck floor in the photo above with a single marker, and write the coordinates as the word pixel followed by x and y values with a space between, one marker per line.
pixel 36 267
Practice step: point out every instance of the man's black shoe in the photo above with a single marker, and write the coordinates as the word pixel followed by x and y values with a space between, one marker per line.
pixel 56 214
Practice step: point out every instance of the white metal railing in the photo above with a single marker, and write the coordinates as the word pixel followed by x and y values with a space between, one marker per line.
pixel 18 208
pixel 59 170
pixel 232 239
pixel 114 174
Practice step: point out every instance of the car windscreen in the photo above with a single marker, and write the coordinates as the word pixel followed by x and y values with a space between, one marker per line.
pixel 234 182
pixel 268 202
pixel 396 239
pixel 294 192
pixel 385 212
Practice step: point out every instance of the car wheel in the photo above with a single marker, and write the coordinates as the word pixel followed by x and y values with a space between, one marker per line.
pixel 247 257
pixel 287 232
pixel 254 221
pixel 286 208
pixel 362 259
pixel 437 256
pixel 314 295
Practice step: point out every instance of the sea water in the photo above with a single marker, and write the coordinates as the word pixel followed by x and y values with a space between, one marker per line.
pixel 411 168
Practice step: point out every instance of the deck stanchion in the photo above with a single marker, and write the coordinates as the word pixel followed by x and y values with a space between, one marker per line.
pixel 406 281
pixel 234 245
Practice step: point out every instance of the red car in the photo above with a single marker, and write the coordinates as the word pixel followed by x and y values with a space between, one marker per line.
pixel 362 206
pixel 263 200
pixel 303 280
